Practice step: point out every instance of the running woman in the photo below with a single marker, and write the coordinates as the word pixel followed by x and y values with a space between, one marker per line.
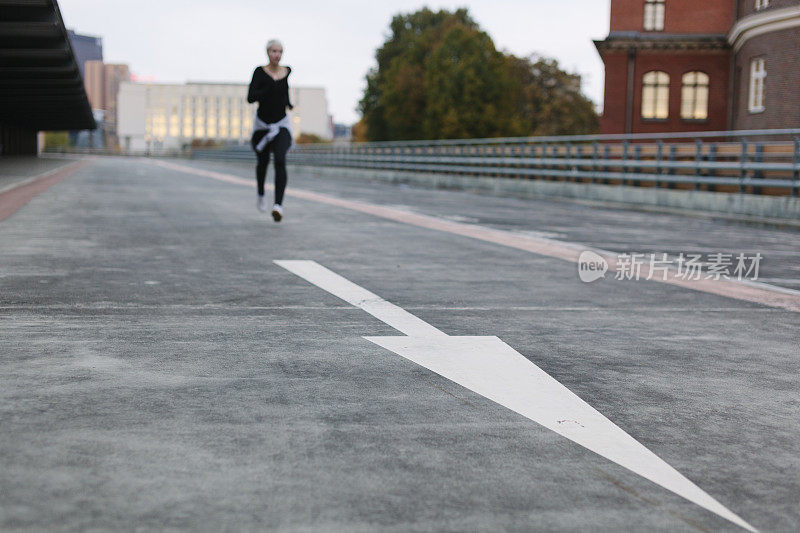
pixel 270 88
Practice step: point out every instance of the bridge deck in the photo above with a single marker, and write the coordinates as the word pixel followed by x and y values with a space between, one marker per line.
pixel 161 371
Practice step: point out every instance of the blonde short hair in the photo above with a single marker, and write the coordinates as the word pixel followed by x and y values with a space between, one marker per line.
pixel 273 42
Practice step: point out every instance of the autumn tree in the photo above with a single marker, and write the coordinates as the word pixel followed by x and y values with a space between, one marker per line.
pixel 440 76
pixel 549 100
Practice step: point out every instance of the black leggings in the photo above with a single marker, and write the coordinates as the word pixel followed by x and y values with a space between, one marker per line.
pixel 279 145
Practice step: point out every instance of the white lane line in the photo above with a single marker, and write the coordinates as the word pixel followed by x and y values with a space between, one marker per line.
pixel 395 316
pixel 23 180
pixel 493 369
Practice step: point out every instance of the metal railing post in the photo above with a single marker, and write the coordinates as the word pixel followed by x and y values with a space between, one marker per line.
pixel 743 166
pixel 659 156
pixel 758 159
pixel 625 147
pixel 796 168
pixel 711 171
pixel 567 157
pixel 712 157
pixel 673 155
pixel 529 154
pixel 698 159
pixel 545 155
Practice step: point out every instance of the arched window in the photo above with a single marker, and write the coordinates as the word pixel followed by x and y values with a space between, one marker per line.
pixel 654 15
pixel 694 96
pixel 655 95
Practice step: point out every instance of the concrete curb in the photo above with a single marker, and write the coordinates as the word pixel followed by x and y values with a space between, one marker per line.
pixel 774 210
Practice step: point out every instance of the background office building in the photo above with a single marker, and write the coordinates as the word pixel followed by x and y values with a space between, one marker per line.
pixel 683 65
pixel 170 116
pixel 102 82
pixel 86 48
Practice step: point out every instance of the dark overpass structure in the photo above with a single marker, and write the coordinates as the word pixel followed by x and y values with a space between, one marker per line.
pixel 40 84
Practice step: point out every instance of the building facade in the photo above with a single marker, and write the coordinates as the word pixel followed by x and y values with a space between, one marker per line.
pixel 154 117
pixel 682 65
pixel 102 82
pixel 765 43
pixel 86 48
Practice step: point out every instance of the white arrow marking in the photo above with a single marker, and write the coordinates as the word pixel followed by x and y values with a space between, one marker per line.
pixel 493 369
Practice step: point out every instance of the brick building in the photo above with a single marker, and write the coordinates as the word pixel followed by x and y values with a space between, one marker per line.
pixel 710 65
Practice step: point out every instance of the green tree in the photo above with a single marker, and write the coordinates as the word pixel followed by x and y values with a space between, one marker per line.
pixel 468 88
pixel 309 138
pixel 56 139
pixel 439 76
pixel 396 101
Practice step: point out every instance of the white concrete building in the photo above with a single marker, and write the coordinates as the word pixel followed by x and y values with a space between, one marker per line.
pixel 154 116
pixel 310 113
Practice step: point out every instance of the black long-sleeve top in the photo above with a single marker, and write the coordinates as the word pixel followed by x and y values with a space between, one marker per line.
pixel 272 96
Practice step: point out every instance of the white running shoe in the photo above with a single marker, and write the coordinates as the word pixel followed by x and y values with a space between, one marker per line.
pixel 277 212
pixel 261 204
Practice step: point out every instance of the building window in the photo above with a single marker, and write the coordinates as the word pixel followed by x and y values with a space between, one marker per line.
pixel 761 4
pixel 758 78
pixel 694 96
pixel 654 15
pixel 655 95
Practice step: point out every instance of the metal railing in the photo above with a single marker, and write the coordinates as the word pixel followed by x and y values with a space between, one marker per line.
pixel 66 150
pixel 752 161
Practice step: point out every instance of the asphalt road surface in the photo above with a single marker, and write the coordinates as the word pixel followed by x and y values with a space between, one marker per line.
pixel 386 358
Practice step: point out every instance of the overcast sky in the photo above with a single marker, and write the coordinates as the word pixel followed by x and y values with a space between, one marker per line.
pixel 328 43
